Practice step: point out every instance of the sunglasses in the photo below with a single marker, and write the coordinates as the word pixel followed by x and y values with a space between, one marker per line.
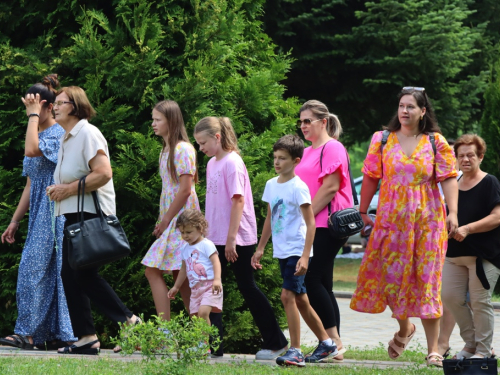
pixel 412 88
pixel 306 121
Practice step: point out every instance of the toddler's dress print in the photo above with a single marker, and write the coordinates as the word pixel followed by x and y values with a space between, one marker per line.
pixel 41 302
pixel 405 254
pixel 165 253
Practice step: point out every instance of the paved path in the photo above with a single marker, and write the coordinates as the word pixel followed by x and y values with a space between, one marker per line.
pixel 368 330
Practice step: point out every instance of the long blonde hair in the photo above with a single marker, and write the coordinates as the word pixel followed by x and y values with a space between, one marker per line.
pixel 221 125
pixel 320 110
pixel 176 133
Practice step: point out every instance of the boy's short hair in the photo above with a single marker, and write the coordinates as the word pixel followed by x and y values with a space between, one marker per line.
pixel 292 144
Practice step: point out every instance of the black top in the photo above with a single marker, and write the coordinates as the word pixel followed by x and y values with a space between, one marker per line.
pixel 473 205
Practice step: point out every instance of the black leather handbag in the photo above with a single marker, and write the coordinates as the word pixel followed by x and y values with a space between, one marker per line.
pixel 347 222
pixel 97 241
pixel 476 366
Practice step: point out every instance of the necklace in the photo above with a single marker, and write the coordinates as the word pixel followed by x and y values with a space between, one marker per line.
pixel 409 136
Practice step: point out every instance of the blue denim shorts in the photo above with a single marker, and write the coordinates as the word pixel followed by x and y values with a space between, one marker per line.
pixel 290 281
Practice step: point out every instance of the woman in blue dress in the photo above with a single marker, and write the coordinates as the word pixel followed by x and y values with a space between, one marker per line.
pixel 43 318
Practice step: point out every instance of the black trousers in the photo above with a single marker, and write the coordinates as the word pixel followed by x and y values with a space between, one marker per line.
pixel 259 306
pixel 319 278
pixel 81 287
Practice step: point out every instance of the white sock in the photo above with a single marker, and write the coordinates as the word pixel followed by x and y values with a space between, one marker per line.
pixel 297 349
pixel 328 342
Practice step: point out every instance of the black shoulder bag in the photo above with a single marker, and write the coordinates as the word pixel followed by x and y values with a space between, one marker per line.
pixel 471 366
pixel 97 241
pixel 347 222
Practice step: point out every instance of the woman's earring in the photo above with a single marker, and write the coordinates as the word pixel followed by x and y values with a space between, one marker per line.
pixel 421 117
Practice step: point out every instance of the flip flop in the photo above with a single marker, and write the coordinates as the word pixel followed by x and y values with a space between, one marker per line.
pixel 402 340
pixel 18 341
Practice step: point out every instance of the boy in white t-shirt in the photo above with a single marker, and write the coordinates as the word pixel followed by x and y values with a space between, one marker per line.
pixel 290 220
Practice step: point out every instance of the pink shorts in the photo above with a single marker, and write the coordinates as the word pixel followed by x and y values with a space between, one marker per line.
pixel 201 295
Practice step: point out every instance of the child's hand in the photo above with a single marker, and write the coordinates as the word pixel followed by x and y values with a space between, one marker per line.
pixel 301 267
pixel 216 286
pixel 231 254
pixel 257 256
pixel 172 292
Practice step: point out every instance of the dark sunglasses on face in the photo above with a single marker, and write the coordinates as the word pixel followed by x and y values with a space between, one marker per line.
pixel 306 121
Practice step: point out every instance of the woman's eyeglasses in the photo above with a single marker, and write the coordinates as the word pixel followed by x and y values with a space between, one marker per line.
pixel 60 103
pixel 306 121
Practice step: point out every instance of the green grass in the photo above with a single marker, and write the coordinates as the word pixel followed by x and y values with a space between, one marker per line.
pixel 105 366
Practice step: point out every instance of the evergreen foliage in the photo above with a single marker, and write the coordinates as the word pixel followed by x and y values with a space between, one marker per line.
pixel 490 123
pixel 210 56
pixel 356 55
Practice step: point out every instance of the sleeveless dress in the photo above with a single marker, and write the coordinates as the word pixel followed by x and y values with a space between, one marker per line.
pixel 405 254
pixel 41 302
pixel 165 253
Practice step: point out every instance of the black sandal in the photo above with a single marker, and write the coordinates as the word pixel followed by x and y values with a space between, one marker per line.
pixel 84 349
pixel 18 341
pixel 447 353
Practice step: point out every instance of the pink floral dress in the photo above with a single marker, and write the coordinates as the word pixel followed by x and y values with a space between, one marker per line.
pixel 165 253
pixel 405 254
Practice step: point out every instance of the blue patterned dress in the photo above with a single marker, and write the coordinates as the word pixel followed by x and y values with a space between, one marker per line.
pixel 41 303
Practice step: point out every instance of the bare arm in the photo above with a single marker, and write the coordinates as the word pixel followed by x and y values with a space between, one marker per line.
pixel 22 208
pixel 181 277
pixel 33 105
pixel 185 182
pixel 217 284
pixel 450 190
pixel 486 224
pixel 303 262
pixel 325 194
pixel 368 190
pixel 264 239
pixel 238 202
pixel 99 176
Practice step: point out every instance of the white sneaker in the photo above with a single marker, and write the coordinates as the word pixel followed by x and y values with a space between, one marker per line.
pixel 268 354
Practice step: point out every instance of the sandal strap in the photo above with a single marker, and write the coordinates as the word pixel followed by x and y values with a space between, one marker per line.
pixel 435 355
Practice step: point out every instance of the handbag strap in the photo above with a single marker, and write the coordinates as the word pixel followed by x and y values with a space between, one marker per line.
pixel 354 195
pixel 97 205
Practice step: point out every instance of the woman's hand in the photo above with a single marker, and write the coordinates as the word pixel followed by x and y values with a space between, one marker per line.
pixel 452 224
pixel 231 254
pixel 9 233
pixel 461 233
pixel 33 103
pixel 58 192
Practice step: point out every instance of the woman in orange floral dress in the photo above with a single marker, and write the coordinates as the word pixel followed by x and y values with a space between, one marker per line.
pixel 405 254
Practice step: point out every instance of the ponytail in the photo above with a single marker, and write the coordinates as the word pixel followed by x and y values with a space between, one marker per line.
pixel 219 125
pixel 333 126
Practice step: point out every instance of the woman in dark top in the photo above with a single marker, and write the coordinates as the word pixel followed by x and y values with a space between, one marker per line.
pixel 473 258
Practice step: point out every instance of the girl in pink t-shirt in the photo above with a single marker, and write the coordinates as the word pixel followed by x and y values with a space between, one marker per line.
pixel 232 226
pixel 328 183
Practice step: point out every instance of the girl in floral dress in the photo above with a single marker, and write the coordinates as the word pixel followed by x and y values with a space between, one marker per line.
pixel 178 174
pixel 405 254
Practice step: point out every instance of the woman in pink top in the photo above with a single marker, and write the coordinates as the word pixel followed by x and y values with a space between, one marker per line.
pixel 328 183
pixel 232 226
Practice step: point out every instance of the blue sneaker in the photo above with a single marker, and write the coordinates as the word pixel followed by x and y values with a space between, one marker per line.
pixel 322 352
pixel 292 358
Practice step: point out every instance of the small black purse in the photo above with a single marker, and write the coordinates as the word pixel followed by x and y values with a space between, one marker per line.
pixel 471 366
pixel 347 222
pixel 97 241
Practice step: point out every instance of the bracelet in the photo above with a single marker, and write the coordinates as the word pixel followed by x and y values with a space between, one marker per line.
pixel 34 114
pixel 468 229
pixel 14 222
pixel 363 213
